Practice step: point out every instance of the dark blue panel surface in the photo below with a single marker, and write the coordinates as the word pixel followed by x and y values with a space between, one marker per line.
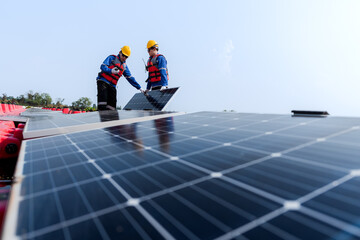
pixel 335 154
pixel 286 178
pixel 340 202
pixel 293 225
pixel 154 100
pixel 203 175
pixel 207 210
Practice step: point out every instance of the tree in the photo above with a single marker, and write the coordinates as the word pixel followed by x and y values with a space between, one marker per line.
pixel 81 104
pixel 59 102
pixel 46 99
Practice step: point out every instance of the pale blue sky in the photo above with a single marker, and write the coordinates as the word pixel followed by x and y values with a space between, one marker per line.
pixel 261 56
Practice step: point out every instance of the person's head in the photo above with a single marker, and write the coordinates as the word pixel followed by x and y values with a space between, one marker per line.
pixel 152 47
pixel 124 53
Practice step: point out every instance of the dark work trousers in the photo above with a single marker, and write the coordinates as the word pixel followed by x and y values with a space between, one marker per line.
pixel 106 96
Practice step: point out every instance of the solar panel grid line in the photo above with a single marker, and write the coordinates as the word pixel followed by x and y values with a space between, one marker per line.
pixel 324 189
pixel 269 187
pixel 254 190
pixel 247 227
pixel 174 188
pixel 302 170
pixel 186 163
pixel 155 223
pixel 73 221
pixel 331 221
pixel 227 205
pixel 279 232
pixel 315 141
pixel 136 225
pixel 354 144
pixel 246 125
pixel 98 224
pixel 57 189
pixel 202 213
pixel 70 139
pixel 151 220
pixel 242 140
pixel 87 180
pixel 122 191
pixel 245 165
pixel 59 209
pixel 174 221
pixel 324 165
pixel 252 149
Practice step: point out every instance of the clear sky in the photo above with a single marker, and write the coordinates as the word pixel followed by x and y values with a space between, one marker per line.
pixel 260 56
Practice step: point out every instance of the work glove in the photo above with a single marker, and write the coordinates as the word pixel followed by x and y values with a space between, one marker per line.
pixel 163 88
pixel 115 71
pixel 141 90
pixel 146 92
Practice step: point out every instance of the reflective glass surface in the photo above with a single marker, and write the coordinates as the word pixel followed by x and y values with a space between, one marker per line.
pixel 154 100
pixel 203 175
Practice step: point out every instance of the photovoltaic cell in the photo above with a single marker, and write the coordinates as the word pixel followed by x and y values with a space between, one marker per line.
pixel 203 175
pixel 154 100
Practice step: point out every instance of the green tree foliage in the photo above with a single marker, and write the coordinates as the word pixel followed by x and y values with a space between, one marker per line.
pixel 32 99
pixel 81 104
pixel 36 99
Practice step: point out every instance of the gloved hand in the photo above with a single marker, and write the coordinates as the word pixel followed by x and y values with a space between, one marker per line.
pixel 141 90
pixel 115 71
pixel 146 91
pixel 163 88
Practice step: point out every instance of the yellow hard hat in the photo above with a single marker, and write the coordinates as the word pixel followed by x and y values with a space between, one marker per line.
pixel 152 43
pixel 126 51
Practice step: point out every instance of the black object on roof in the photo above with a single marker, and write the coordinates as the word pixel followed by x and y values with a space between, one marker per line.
pixel 304 113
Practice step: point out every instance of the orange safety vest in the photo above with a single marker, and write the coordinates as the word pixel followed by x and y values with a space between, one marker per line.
pixel 114 78
pixel 154 72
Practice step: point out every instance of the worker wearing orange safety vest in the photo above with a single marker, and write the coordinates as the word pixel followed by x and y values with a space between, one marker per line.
pixel 157 67
pixel 111 70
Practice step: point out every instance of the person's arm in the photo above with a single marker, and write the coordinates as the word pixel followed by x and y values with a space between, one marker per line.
pixel 105 65
pixel 162 65
pixel 131 79
pixel 148 86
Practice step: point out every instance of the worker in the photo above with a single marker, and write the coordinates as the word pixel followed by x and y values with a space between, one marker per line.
pixel 157 67
pixel 111 70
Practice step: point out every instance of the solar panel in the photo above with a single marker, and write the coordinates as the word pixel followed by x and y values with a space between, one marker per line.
pixel 204 175
pixel 154 100
pixel 46 123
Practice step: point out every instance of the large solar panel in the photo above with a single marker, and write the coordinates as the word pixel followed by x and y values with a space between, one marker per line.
pixel 154 100
pixel 46 123
pixel 204 175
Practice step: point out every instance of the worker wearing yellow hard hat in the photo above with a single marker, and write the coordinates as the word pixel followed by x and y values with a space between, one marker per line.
pixel 157 68
pixel 113 67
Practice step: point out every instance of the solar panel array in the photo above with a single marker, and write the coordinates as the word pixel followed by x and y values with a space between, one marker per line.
pixel 204 175
pixel 154 100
